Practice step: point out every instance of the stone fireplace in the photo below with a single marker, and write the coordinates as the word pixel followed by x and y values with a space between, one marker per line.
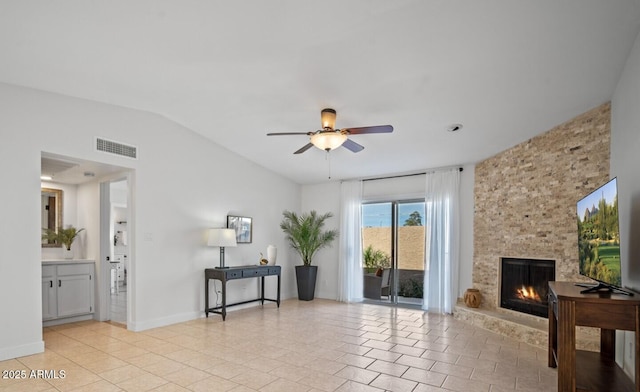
pixel 524 285
pixel 524 206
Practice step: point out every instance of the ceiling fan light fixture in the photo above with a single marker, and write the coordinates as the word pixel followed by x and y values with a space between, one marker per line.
pixel 327 141
pixel 328 118
pixel 329 138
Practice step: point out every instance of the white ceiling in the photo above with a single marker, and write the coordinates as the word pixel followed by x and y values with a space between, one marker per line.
pixel 66 170
pixel 235 70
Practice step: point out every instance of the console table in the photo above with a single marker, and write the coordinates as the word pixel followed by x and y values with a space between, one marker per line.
pixel 226 274
pixel 582 370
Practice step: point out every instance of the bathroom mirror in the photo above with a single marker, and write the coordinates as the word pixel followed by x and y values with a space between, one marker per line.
pixel 51 210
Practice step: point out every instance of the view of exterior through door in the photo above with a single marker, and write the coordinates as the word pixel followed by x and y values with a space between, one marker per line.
pixel 393 243
pixel 115 217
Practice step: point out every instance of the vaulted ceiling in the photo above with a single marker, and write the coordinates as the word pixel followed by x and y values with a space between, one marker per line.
pixel 235 70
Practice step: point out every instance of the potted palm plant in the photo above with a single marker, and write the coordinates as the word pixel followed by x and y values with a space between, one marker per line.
pixel 64 237
pixel 306 235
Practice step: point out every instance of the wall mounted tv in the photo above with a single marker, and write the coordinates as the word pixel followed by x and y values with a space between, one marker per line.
pixel 599 239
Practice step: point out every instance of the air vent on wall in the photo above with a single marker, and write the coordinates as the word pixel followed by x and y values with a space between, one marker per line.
pixel 116 148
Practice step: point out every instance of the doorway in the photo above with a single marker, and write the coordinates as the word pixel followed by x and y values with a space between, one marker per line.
pixel 115 250
pixel 85 203
pixel 393 243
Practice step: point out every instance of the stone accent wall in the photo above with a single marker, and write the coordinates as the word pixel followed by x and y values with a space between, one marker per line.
pixel 525 198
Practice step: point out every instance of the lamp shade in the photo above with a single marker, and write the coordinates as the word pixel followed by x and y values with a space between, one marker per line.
pixel 222 237
pixel 328 140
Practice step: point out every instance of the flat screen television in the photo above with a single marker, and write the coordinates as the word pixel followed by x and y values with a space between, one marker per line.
pixel 599 239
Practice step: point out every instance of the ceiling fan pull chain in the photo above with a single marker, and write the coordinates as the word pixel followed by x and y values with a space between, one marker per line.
pixel 328 159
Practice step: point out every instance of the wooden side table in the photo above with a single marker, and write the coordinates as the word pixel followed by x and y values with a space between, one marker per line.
pixel 582 370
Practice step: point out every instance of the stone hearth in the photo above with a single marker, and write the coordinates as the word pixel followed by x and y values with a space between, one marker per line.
pixel 529 329
pixel 522 327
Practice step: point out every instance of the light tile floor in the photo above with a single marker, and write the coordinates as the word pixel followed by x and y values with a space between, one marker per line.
pixel 118 309
pixel 314 346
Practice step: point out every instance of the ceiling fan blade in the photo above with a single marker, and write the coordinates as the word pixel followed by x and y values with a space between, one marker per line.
pixel 352 146
pixel 289 133
pixel 303 149
pixel 373 129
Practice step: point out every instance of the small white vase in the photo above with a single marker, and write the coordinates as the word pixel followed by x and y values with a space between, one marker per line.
pixel 272 252
pixel 67 253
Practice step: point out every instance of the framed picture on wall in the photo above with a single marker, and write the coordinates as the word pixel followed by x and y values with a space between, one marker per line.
pixel 243 227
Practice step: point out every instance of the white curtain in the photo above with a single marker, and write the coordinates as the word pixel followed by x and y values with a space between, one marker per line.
pixel 442 240
pixel 350 276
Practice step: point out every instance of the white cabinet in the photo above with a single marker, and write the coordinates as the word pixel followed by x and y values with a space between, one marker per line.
pixel 67 290
pixel 75 289
pixel 49 301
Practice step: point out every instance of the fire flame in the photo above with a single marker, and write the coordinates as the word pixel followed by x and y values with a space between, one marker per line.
pixel 528 293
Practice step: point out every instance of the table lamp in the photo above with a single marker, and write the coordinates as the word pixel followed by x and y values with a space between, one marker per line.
pixel 222 237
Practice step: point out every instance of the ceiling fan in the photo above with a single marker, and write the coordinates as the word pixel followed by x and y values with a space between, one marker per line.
pixel 329 138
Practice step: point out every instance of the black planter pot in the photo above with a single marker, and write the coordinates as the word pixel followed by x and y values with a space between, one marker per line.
pixel 306 280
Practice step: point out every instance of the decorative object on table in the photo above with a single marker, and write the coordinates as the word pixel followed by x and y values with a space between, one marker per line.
pixel 263 261
pixel 64 237
pixel 222 238
pixel 306 235
pixel 243 227
pixel 272 253
pixel 472 298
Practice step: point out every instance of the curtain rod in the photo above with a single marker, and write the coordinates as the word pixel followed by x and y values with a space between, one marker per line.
pixel 404 175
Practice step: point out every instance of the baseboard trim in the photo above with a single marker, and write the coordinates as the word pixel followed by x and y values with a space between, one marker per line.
pixel 162 321
pixel 65 320
pixel 22 350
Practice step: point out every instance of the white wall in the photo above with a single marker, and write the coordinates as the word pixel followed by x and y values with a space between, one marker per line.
pixel 324 198
pixel 20 234
pixel 625 164
pixel 88 244
pixel 182 185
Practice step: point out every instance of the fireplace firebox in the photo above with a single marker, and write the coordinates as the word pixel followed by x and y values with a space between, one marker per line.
pixel 524 285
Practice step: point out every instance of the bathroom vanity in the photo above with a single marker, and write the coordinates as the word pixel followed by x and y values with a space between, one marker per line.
pixel 68 288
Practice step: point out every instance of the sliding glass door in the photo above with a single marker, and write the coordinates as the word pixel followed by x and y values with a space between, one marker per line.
pixel 410 240
pixel 393 237
pixel 378 251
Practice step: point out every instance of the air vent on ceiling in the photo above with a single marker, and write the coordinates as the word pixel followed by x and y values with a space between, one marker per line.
pixel 116 148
